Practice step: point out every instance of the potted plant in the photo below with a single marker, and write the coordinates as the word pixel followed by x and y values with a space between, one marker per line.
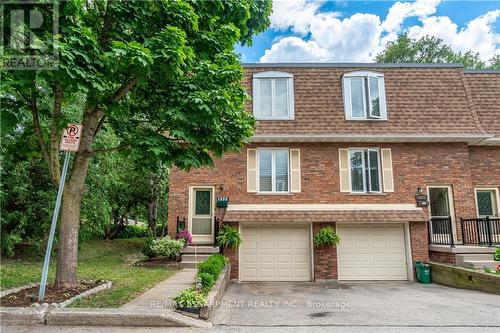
pixel 326 236
pixel 229 237
pixel 190 300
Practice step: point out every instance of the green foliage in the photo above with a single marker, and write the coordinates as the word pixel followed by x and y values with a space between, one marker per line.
pixel 497 254
pixel 159 79
pixel 132 231
pixel 430 49
pixel 166 247
pixel 189 298
pixel 207 281
pixel 147 249
pixel 326 236
pixel 229 237
pixel 213 265
pixel 26 195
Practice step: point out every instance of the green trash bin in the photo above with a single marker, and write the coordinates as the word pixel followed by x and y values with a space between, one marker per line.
pixel 423 272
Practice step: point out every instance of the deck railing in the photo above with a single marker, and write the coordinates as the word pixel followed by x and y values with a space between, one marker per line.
pixel 441 231
pixel 481 231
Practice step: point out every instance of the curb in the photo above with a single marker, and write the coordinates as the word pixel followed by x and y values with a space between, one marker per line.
pixel 121 317
pixel 24 316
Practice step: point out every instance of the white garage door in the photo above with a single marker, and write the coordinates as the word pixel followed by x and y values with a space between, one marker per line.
pixel 275 253
pixel 372 252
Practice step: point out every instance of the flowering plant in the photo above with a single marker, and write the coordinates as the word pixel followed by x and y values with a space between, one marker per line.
pixel 186 236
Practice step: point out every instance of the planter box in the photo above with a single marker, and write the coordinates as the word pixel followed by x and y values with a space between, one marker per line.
pixel 216 294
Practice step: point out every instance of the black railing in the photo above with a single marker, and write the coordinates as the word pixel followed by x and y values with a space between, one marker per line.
pixel 483 231
pixel 441 231
pixel 180 224
pixel 216 229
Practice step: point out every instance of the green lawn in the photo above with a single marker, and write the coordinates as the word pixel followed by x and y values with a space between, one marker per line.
pixel 103 259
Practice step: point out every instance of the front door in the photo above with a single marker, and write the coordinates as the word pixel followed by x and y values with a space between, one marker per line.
pixel 201 217
pixel 441 207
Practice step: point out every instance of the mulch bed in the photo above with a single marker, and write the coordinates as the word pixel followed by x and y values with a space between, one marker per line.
pixel 158 262
pixel 26 297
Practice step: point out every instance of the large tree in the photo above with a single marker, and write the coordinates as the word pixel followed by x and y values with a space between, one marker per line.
pixel 162 75
pixel 430 49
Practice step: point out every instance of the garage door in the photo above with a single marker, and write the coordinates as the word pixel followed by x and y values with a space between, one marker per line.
pixel 372 253
pixel 275 253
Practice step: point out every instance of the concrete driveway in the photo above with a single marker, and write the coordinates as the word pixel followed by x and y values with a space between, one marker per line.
pixel 368 304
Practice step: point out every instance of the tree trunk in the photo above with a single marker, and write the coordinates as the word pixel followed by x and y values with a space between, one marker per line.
pixel 152 216
pixel 67 257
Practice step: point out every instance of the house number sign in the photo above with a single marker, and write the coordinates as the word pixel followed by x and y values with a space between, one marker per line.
pixel 422 200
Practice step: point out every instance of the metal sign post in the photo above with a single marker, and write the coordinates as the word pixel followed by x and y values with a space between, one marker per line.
pixel 70 142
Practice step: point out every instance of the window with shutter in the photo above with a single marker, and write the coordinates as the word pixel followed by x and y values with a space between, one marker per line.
pixel 365 170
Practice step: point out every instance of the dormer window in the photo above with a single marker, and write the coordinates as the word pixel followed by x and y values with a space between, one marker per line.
pixel 364 96
pixel 273 96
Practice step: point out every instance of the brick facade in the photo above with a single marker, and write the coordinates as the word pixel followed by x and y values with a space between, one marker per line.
pixel 444 257
pixel 414 165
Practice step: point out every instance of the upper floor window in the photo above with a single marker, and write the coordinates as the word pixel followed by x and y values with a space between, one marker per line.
pixel 273 170
pixel 273 95
pixel 365 170
pixel 364 96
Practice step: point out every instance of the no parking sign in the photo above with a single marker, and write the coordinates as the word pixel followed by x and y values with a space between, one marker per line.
pixel 71 138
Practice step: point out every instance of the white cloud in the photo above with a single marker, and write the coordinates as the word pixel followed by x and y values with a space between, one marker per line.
pixel 325 36
pixel 402 10
pixel 294 49
pixel 478 35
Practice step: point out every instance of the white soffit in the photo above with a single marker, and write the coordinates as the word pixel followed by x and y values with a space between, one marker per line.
pixel 319 207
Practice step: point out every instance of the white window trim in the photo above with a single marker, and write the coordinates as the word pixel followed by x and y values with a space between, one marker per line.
pixel 192 210
pixel 451 207
pixel 365 181
pixel 346 89
pixel 273 171
pixel 491 189
pixel 256 95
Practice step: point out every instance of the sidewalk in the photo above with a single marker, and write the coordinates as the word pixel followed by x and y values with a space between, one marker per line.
pixel 161 295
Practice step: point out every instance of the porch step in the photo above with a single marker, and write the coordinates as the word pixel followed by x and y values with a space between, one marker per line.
pixel 202 249
pixel 198 257
pixel 480 264
pixel 188 264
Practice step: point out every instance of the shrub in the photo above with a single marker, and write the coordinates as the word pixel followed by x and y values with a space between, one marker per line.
pixel 147 250
pixel 207 280
pixel 167 247
pixel 189 298
pixel 326 236
pixel 497 254
pixel 229 237
pixel 213 265
pixel 132 231
pixel 186 235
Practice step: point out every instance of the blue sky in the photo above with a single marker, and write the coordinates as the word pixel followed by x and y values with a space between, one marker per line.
pixel 355 31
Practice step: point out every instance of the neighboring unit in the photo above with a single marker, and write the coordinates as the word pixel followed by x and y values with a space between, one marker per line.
pixel 352 146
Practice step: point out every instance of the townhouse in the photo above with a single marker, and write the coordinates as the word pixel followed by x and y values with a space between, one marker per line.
pixel 392 156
